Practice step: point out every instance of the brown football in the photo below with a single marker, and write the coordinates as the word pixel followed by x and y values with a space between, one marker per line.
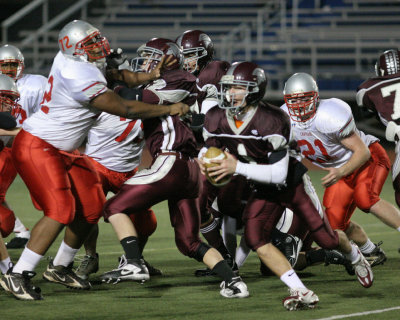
pixel 214 153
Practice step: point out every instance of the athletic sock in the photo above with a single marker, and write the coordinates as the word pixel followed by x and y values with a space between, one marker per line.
pixel 367 247
pixel 292 280
pixel 5 265
pixel 28 261
pixel 131 248
pixel 65 255
pixel 223 270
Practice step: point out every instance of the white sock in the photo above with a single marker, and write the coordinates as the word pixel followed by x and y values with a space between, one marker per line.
pixel 291 279
pixel 398 229
pixel 65 255
pixel 5 265
pixel 28 261
pixel 353 255
pixel 19 227
pixel 367 247
pixel 242 252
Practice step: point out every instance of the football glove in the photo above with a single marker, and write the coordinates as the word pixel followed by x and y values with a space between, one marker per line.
pixel 117 59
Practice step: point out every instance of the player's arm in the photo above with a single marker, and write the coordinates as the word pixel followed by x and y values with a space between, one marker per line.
pixel 112 103
pixel 360 155
pixel 133 79
pixel 273 173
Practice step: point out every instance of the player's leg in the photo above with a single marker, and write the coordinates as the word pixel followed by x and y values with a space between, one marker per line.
pixel 260 217
pixel 43 170
pixel 89 200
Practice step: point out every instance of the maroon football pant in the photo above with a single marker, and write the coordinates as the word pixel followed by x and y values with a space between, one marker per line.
pixel 171 178
pixel 264 210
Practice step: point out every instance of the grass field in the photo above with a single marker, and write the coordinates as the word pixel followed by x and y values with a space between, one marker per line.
pixel 180 295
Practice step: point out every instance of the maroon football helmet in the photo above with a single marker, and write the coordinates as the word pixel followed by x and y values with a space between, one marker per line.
pixel 251 81
pixel 150 54
pixel 388 63
pixel 198 50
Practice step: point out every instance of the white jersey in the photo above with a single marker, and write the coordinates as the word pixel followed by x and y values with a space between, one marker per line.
pixel 319 140
pixel 116 142
pixel 66 116
pixel 31 88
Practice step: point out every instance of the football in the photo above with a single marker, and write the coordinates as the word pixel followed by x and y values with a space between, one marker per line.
pixel 214 153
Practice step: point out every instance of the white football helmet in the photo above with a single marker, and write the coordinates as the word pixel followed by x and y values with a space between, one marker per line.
pixel 11 61
pixel 301 95
pixel 81 41
pixel 9 95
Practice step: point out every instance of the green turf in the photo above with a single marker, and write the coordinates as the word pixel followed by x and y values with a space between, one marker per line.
pixel 180 295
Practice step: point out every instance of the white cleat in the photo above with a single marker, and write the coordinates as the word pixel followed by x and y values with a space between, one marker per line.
pixel 126 271
pixel 234 289
pixel 363 271
pixel 300 298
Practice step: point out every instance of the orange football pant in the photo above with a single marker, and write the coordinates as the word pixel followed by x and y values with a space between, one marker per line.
pixel 361 189
pixel 62 184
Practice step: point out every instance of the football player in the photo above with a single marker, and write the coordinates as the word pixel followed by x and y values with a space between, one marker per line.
pixel 31 88
pixel 355 163
pixel 62 182
pixel 380 95
pixel 173 176
pixel 258 135
pixel 9 97
pixel 114 145
pixel 198 51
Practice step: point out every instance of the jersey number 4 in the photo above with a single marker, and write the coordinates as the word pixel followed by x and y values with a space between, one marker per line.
pixel 308 150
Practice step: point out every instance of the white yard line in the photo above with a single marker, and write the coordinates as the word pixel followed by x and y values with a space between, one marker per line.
pixel 343 316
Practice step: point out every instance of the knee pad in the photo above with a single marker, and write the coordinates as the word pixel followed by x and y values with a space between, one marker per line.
pixel 201 251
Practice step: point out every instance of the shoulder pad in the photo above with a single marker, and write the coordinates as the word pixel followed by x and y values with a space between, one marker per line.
pixel 332 115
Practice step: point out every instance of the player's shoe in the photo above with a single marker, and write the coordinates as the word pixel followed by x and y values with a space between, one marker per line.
pixel 88 265
pixel 65 276
pixel 300 298
pixel 126 271
pixel 17 243
pixel 377 256
pixel 363 271
pixel 152 270
pixel 289 245
pixel 20 285
pixel 234 289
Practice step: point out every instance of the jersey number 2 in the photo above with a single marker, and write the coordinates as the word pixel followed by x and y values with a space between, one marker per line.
pixel 310 151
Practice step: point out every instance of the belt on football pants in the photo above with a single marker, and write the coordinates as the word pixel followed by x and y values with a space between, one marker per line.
pixel 177 154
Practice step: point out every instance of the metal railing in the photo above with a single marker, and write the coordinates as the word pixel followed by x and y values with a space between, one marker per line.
pixel 40 36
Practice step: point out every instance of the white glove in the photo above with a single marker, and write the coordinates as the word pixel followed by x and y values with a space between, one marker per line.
pixel 392 129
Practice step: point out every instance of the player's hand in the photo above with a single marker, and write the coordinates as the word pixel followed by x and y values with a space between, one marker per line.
pixel 225 167
pixel 118 60
pixel 333 176
pixel 165 63
pixel 201 165
pixel 179 109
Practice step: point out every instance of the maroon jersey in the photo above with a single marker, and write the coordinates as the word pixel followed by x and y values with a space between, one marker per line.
pixel 208 80
pixel 379 95
pixel 170 133
pixel 267 130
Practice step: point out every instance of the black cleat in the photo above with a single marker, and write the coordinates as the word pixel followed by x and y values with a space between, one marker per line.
pixel 17 243
pixel 377 256
pixel 20 285
pixel 152 270
pixel 65 276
